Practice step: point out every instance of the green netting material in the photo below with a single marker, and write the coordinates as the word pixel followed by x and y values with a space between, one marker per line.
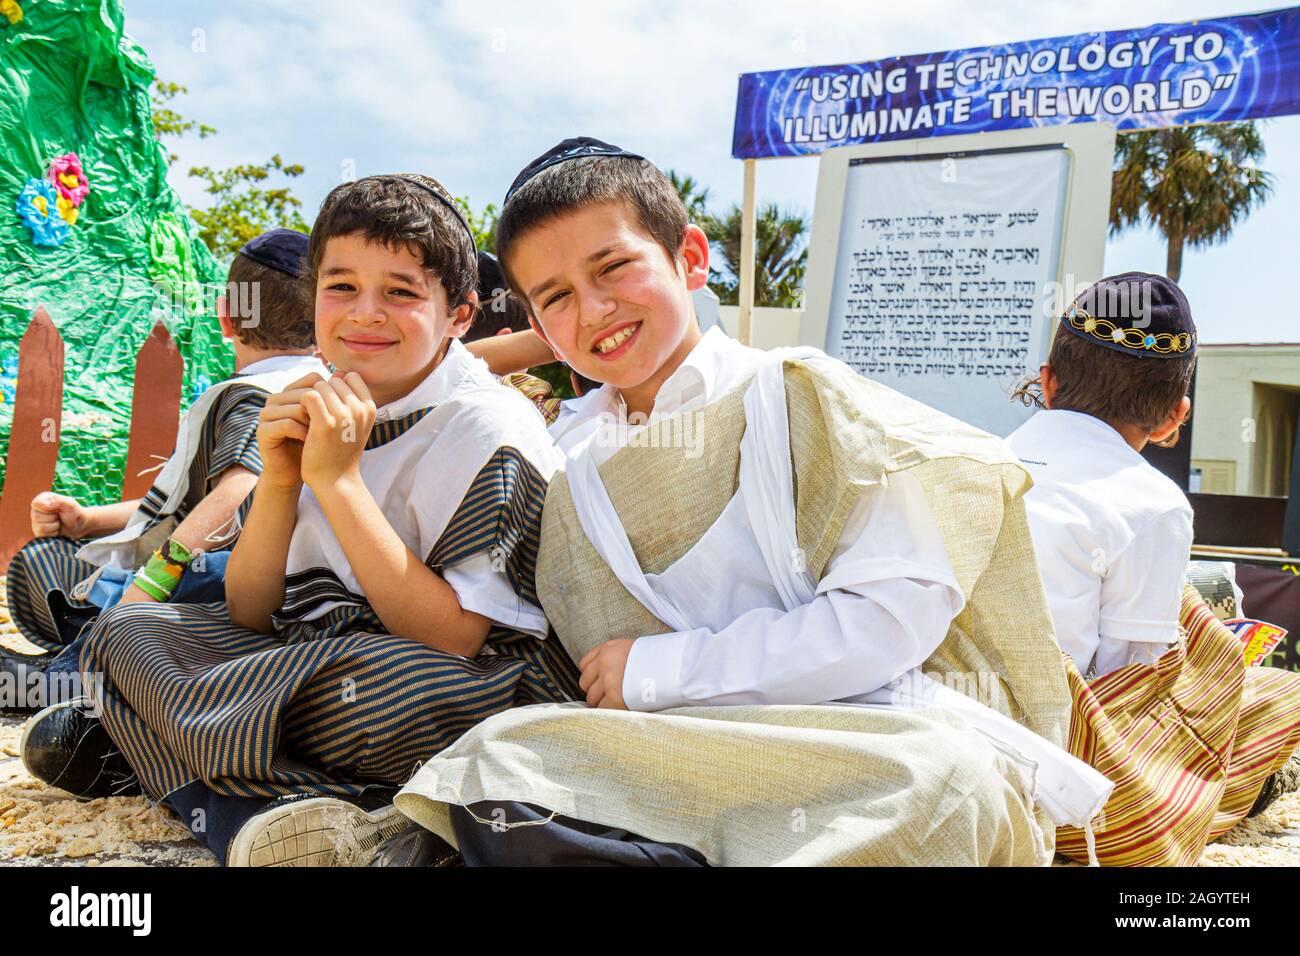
pixel 72 81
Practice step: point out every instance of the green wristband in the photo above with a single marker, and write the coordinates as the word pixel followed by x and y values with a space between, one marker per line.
pixel 145 584
pixel 162 573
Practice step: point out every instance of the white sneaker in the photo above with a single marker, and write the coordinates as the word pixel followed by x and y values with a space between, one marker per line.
pixel 313 831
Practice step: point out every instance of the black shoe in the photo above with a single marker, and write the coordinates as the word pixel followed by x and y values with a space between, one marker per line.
pixel 1284 781
pixel 1267 796
pixel 309 830
pixel 65 747
pixel 70 619
pixel 416 846
pixel 22 681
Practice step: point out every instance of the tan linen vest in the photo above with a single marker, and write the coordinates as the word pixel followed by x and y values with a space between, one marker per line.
pixel 846 433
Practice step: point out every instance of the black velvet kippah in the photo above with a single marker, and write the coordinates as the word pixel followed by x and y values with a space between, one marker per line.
pixel 575 148
pixel 284 250
pixel 1136 313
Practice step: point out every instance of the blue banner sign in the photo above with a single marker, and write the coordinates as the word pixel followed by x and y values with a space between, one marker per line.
pixel 1207 71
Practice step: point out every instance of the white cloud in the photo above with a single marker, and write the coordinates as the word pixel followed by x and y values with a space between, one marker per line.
pixel 502 80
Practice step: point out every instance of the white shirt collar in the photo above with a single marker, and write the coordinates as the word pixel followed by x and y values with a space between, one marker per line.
pixel 593 403
pixel 457 368
pixel 276 363
pixel 713 367
pixel 1060 420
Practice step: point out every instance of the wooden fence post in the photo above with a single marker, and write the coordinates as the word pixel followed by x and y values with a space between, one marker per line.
pixel 34 436
pixel 155 411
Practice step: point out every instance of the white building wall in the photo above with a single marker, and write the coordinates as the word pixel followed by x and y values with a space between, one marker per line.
pixel 1246 397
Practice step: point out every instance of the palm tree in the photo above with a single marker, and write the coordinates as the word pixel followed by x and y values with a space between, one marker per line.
pixel 694 197
pixel 780 257
pixel 1193 183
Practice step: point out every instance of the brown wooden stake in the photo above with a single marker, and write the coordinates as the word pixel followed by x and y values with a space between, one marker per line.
pixel 34 437
pixel 155 411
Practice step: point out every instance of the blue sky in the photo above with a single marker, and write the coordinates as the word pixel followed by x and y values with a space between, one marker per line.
pixel 470 91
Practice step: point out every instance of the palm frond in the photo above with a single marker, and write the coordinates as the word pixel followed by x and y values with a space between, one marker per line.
pixel 1195 184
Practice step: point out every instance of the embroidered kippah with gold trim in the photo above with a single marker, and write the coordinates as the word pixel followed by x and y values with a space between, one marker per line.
pixel 1139 340
pixel 1136 313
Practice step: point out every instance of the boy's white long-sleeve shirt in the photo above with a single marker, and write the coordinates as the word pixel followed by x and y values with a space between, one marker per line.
pixel 1113 538
pixel 883 605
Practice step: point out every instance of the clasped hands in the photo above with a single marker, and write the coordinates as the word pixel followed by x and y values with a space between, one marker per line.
pixel 314 431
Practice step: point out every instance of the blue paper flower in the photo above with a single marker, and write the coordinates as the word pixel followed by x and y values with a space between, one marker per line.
pixel 9 378
pixel 38 208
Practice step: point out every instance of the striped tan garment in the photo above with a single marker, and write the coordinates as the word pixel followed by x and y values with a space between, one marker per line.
pixel 47 565
pixel 228 438
pixel 1188 742
pixel 329 705
pixel 536 390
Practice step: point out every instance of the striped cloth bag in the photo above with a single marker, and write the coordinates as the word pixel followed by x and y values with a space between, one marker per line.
pixel 1187 741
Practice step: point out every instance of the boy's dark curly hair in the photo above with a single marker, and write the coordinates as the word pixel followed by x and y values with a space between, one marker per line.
pixel 395 212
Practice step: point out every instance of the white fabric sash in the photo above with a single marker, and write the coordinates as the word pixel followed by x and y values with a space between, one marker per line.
pixel 1069 790
pixel 766 474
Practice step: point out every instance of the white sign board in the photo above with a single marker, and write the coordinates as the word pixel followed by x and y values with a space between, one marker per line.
pixel 938 289
pixel 946 275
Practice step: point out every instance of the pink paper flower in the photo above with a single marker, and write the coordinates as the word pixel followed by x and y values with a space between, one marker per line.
pixel 69 179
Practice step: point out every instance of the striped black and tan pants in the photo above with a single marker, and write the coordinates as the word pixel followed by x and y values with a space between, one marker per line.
pixel 189 696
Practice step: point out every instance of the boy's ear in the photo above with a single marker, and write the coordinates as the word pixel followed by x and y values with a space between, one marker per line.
pixel 462 317
pixel 1048 383
pixel 537 327
pixel 223 317
pixel 694 254
pixel 1170 426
